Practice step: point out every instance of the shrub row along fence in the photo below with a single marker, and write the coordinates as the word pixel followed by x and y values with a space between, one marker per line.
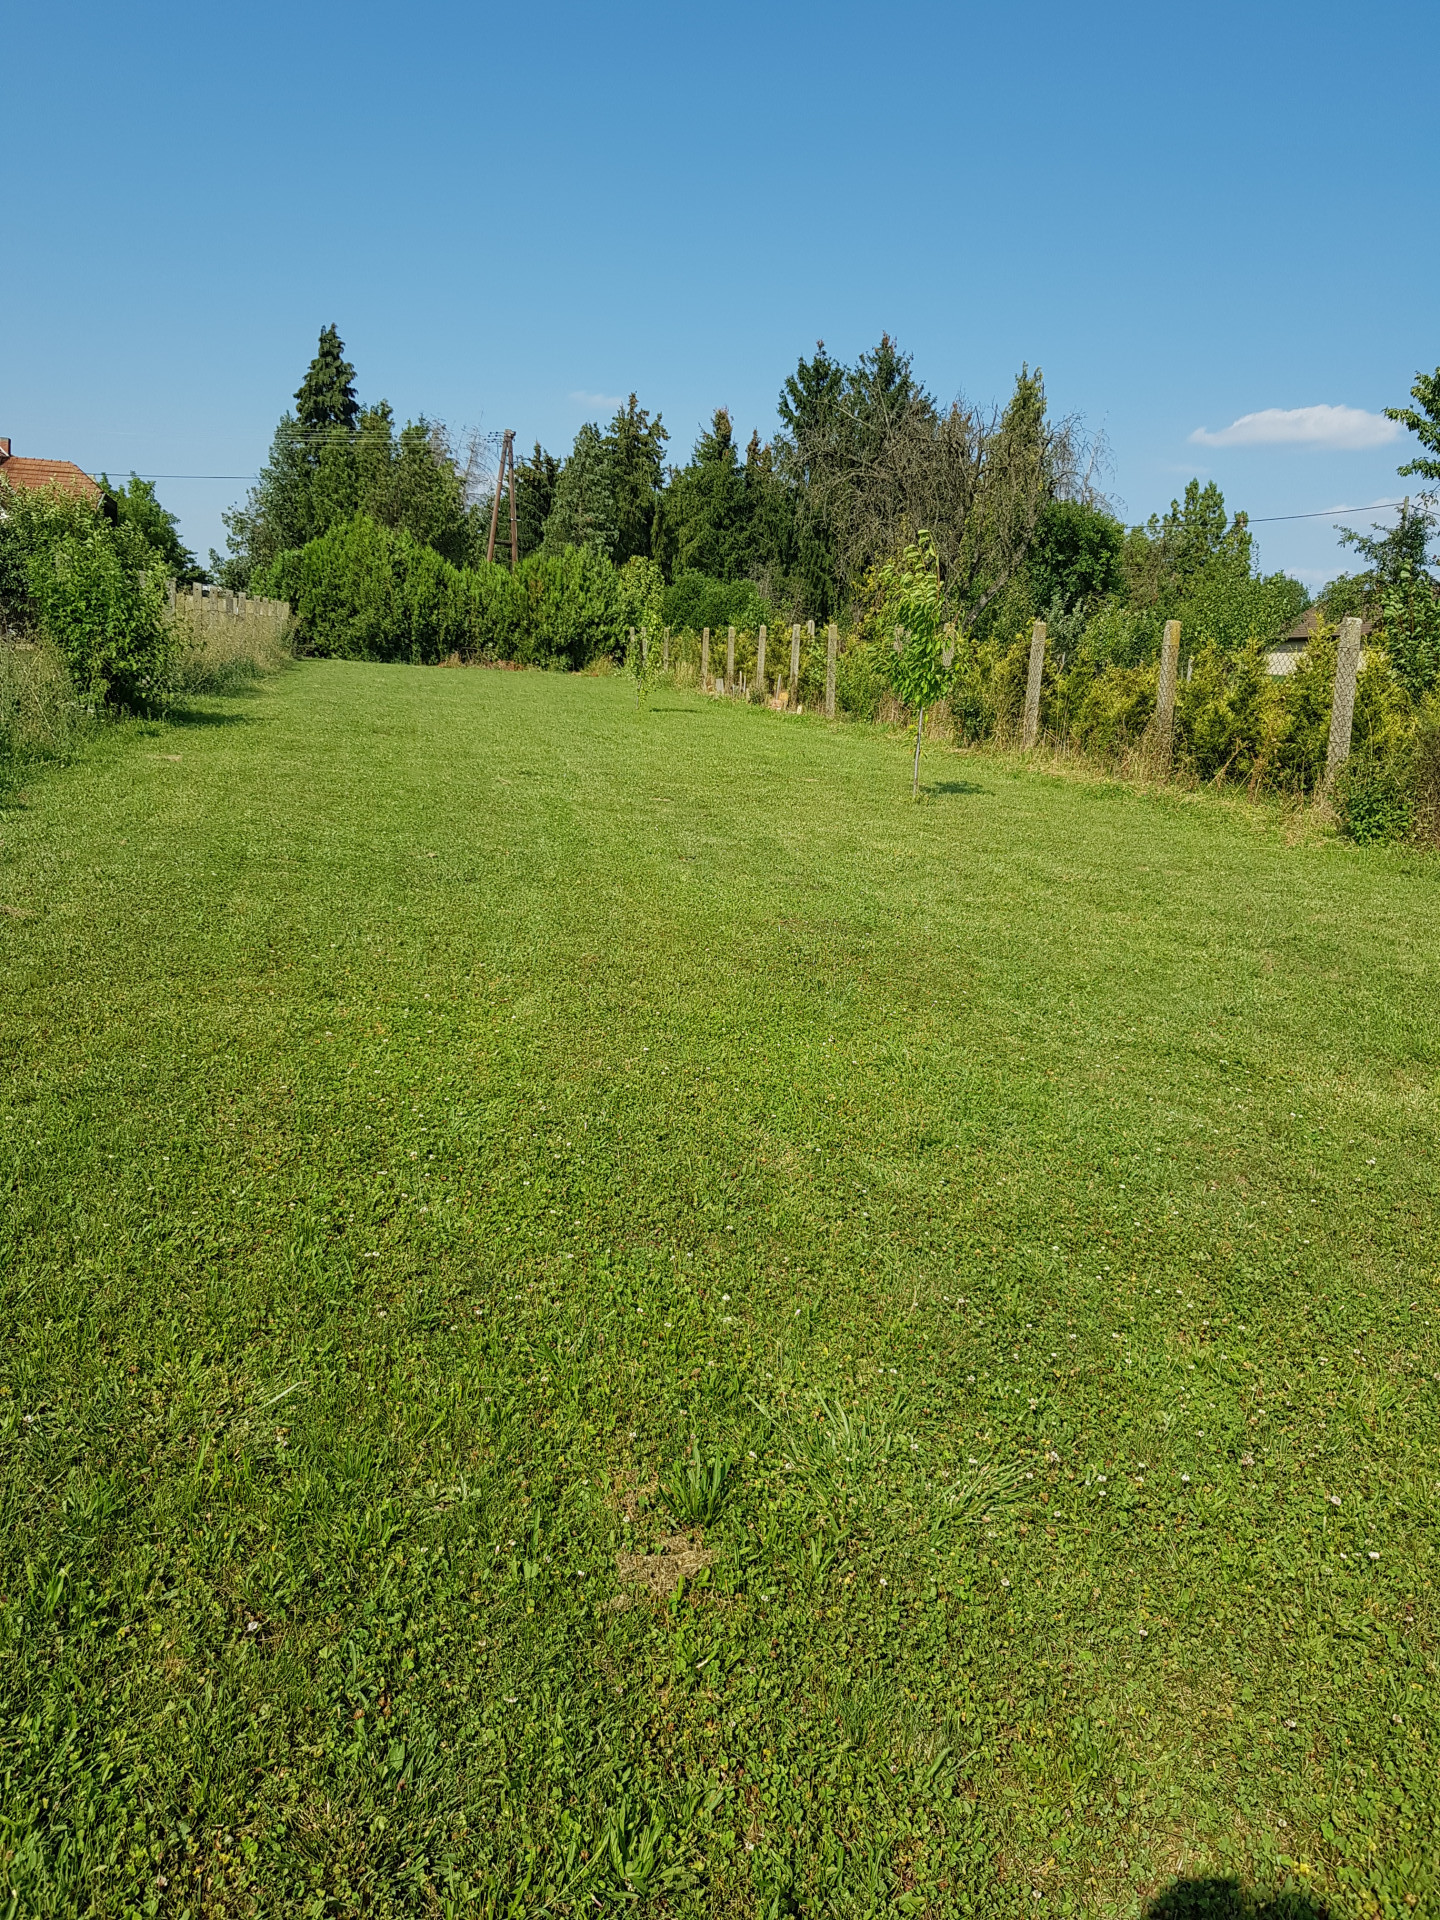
pixel 1167 680
pixel 782 689
pixel 1340 728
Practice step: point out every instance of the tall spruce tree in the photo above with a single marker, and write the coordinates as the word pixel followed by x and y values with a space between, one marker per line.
pixel 535 481
pixel 881 392
pixel 704 523
pixel 326 396
pixel 636 447
pixel 583 514
pixel 811 412
pixel 331 459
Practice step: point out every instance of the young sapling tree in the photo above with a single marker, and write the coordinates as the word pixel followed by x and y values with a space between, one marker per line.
pixel 637 661
pixel 924 656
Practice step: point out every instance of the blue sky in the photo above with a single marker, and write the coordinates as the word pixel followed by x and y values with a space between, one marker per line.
pixel 1185 216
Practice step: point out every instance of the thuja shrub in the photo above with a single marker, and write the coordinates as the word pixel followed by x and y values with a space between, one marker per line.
pixel 572 610
pixel 1224 712
pixel 364 591
pixel 95 590
pixel 1114 711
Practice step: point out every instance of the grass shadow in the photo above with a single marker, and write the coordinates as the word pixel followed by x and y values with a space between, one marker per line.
pixel 1228 1900
pixel 198 717
pixel 954 786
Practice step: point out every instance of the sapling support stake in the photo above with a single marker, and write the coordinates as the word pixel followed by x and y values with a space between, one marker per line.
pixel 919 729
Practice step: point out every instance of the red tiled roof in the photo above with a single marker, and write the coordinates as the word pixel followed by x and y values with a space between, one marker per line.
pixel 64 474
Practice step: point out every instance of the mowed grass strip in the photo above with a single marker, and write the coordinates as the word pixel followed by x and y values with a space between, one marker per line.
pixel 463 1136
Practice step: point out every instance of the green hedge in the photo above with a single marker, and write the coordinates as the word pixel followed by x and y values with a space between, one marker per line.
pixel 364 591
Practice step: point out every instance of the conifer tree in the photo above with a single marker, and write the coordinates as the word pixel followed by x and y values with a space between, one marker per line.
pixel 535 481
pixel 704 522
pixel 810 408
pixel 583 514
pixel 326 396
pixel 636 447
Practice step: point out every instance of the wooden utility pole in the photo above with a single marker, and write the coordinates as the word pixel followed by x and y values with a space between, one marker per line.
pixel 507 463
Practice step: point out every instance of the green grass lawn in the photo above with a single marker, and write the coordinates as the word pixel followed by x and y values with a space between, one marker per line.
pixel 430 1099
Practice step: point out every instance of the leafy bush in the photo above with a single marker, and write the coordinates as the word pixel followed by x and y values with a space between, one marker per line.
pixel 972 700
pixel 1410 613
pixel 1122 637
pixel 95 590
pixel 1230 608
pixel 1375 798
pixel 861 681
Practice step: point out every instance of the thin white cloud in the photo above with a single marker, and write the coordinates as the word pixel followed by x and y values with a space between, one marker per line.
pixel 1349 429
pixel 599 399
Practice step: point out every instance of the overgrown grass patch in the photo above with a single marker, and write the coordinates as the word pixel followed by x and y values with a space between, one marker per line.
pixel 449 1118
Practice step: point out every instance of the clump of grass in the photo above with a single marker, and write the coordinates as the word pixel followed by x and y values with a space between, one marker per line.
pixel 694 1488
pixel 219 652
pixel 42 717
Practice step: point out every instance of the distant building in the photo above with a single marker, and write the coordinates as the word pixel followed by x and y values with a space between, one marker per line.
pixel 1285 655
pixel 64 474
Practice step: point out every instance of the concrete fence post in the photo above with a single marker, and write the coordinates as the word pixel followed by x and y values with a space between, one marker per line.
pixel 832 645
pixel 1342 706
pixel 705 661
pixel 1165 692
pixel 730 662
pixel 795 660
pixel 1031 730
pixel 760 662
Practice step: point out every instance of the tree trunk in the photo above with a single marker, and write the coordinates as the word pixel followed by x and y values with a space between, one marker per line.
pixel 919 729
